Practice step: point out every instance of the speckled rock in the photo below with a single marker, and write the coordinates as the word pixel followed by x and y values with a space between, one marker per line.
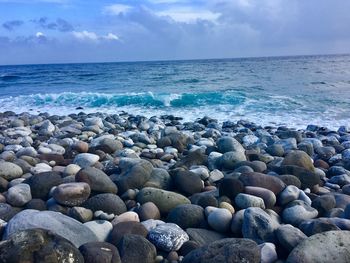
pixel 168 237
pixel 226 250
pixel 331 246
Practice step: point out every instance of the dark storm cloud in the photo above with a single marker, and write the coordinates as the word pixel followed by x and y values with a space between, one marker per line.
pixel 13 24
pixel 59 25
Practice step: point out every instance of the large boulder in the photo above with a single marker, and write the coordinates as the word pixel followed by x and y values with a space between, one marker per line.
pixel 233 250
pixel 38 246
pixel 331 246
pixel 58 223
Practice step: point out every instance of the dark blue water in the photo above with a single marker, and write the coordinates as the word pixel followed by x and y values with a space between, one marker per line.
pixel 284 90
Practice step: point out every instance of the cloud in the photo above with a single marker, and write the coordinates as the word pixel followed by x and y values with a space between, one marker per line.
pixel 13 24
pixel 92 36
pixel 186 15
pixel 59 25
pixel 116 9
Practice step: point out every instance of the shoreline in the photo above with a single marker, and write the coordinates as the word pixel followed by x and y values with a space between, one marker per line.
pixel 160 189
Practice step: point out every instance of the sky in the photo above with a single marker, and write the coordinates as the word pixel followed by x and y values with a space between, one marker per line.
pixel 69 31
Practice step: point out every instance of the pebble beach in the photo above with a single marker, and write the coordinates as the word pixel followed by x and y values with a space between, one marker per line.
pixel 104 187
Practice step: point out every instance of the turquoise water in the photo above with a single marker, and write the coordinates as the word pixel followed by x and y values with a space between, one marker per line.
pixel 295 91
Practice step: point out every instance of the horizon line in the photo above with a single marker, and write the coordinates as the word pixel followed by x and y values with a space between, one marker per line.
pixel 174 60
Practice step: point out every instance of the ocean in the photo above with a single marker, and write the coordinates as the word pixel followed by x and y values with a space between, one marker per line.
pixel 293 91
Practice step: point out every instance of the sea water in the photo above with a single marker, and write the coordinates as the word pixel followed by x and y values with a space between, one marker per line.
pixel 294 91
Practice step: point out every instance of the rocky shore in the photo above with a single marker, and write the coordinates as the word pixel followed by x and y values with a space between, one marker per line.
pixel 123 188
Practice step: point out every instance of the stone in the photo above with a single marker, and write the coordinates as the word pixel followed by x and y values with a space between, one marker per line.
pixel 134 173
pixel 164 200
pixel 307 178
pixel 101 229
pixel 187 182
pixel 136 249
pixel 233 250
pixel 228 144
pixel 71 194
pixel 237 223
pixel 323 204
pixel 268 253
pixel 204 236
pixel 331 246
pixel 86 159
pixel 124 228
pixel 258 225
pixel 229 160
pixel 289 236
pixel 100 252
pixel 246 200
pixel 272 183
pixel 220 219
pixel 320 225
pixel 298 211
pixel 268 196
pixel 290 179
pixel 187 216
pixel 167 237
pixel 105 144
pixel 7 211
pixel 80 213
pixel 289 194
pixel 41 184
pixel 99 181
pixel 19 195
pixel 147 211
pixel 10 171
pixel 230 187
pixel 159 178
pixel 126 217
pixel 56 222
pixel 108 203
pixel 38 246
pixel 299 158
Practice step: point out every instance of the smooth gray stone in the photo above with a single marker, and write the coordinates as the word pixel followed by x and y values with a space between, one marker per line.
pixel 58 223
